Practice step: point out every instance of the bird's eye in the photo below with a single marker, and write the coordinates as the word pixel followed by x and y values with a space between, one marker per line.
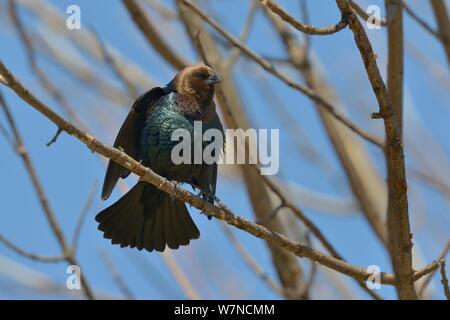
pixel 200 75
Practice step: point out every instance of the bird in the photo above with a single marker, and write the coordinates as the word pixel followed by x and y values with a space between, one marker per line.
pixel 146 217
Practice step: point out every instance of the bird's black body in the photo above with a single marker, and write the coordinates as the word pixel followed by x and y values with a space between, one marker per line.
pixel 145 217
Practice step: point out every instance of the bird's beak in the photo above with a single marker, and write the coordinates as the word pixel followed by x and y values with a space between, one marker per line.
pixel 213 79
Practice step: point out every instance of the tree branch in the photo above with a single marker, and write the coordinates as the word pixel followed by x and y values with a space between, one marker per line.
pixel 362 175
pixel 426 281
pixel 252 264
pixel 308 29
pixel 30 255
pixel 443 21
pixel 146 174
pixel 82 216
pixel 444 280
pixel 152 35
pixel 398 219
pixel 23 153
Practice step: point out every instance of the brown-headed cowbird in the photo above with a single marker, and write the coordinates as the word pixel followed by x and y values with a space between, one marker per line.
pixel 145 217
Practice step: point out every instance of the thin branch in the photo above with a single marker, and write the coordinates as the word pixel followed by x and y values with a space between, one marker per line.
pixel 245 33
pixel 437 183
pixel 54 138
pixel 151 34
pixel 155 278
pixel 420 21
pixel 120 72
pixel 82 216
pixel 307 29
pixel 425 270
pixel 146 174
pixel 84 40
pixel 30 255
pixel 40 73
pixel 180 276
pixel 444 280
pixel 6 135
pixel 310 225
pixel 313 269
pixel 43 200
pixel 162 9
pixel 271 69
pixel 426 281
pixel 434 68
pixel 306 17
pixel 307 148
pixel 79 71
pixel 442 18
pixel 252 263
pixel 398 218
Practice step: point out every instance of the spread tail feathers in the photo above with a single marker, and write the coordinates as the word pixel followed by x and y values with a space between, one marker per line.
pixel 147 218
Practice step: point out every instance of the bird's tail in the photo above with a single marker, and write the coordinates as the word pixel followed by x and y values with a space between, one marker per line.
pixel 147 218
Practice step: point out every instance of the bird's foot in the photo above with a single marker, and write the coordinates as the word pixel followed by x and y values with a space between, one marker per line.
pixel 178 184
pixel 208 195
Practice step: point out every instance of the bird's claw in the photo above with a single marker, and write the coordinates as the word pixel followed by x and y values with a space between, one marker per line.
pixel 178 184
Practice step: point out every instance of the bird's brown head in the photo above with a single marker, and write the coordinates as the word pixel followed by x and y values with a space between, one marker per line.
pixel 195 88
pixel 195 80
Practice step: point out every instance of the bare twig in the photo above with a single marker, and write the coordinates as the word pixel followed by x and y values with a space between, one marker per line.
pixel 120 72
pixel 85 40
pixel 235 52
pixel 78 70
pixel 30 255
pixel 420 21
pixel 440 185
pixel 23 153
pixel 54 138
pixel 162 9
pixel 443 21
pixel 40 73
pixel 444 280
pixel 82 216
pixel 313 268
pixel 426 281
pixel 180 276
pixel 308 29
pixel 311 226
pixel 252 264
pixel 303 142
pixel 6 134
pixel 152 35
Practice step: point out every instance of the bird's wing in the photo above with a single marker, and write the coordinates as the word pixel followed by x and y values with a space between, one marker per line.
pixel 208 176
pixel 128 138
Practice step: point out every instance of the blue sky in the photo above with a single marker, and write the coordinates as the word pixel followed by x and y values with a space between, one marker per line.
pixel 68 169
